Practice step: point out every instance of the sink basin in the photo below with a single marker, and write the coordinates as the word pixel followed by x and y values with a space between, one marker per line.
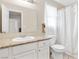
pixel 23 38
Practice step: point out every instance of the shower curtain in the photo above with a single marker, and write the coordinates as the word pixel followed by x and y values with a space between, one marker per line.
pixel 67 33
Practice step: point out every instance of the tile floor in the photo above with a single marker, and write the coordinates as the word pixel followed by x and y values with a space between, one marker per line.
pixel 65 56
pixel 68 57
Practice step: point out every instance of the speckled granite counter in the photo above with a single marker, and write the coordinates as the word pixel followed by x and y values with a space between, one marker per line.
pixel 5 43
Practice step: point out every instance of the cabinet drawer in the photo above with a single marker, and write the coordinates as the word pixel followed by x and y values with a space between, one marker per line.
pixel 27 55
pixel 24 48
pixel 43 43
pixel 4 52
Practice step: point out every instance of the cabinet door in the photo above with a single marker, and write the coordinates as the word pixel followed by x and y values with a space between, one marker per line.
pixel 27 55
pixel 4 53
pixel 43 53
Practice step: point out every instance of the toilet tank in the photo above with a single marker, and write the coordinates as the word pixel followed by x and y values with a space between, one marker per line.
pixel 53 40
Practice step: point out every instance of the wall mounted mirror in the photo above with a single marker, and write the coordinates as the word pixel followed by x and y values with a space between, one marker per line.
pixel 15 18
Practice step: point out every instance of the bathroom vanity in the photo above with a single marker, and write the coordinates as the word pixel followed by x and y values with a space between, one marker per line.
pixel 17 20
pixel 33 49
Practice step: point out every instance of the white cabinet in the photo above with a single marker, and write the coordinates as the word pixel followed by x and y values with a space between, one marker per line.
pixel 26 51
pixel 37 50
pixel 43 53
pixel 4 54
pixel 27 55
pixel 43 49
pixel 24 48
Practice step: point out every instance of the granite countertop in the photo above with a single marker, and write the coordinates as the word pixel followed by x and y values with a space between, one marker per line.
pixel 5 43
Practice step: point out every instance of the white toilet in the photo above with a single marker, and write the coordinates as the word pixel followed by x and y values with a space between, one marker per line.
pixel 57 51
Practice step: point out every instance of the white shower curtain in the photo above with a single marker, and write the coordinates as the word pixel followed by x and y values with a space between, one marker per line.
pixel 67 28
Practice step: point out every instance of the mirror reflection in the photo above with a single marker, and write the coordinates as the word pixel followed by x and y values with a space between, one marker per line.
pixel 17 18
pixel 14 21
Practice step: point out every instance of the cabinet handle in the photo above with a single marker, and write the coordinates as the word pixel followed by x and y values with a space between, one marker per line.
pixel 50 53
pixel 39 50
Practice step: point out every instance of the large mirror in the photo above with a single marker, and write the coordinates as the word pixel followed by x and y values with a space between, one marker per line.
pixel 15 18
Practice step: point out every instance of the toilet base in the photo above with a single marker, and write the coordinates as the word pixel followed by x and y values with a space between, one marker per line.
pixel 56 55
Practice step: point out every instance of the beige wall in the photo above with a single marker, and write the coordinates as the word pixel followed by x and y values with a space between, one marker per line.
pixel 40 12
pixel 29 20
pixel 0 19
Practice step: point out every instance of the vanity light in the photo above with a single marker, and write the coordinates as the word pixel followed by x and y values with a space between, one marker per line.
pixel 23 3
pixel 26 3
pixel 31 1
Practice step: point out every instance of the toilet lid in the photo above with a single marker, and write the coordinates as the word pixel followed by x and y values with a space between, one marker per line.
pixel 57 46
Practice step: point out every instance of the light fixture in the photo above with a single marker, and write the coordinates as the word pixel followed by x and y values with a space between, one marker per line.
pixel 31 1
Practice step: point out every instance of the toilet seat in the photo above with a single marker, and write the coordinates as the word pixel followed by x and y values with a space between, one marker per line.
pixel 58 48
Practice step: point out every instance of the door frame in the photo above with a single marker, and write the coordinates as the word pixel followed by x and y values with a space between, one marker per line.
pixel 19 11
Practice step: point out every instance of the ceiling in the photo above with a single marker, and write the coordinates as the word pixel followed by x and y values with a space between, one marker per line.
pixel 56 3
pixel 22 3
pixel 60 3
pixel 66 2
